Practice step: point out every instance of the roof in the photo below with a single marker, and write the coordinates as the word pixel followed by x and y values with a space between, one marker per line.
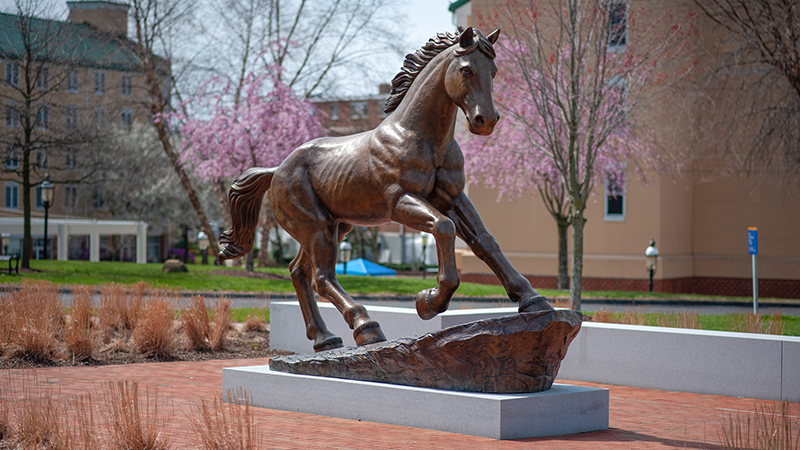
pixel 457 4
pixel 78 44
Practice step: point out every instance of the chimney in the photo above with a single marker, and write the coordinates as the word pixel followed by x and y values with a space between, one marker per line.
pixel 105 16
pixel 384 88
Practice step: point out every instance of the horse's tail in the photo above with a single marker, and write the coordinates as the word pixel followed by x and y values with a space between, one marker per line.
pixel 246 196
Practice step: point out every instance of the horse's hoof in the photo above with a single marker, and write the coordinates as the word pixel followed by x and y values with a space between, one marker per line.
pixel 329 343
pixel 424 308
pixel 533 304
pixel 368 333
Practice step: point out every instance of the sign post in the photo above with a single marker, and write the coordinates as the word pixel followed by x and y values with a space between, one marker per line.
pixel 752 248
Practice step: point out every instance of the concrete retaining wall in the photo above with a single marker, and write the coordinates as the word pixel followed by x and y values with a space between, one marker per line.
pixel 703 362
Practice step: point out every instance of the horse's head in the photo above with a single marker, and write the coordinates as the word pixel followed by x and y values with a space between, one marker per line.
pixel 468 79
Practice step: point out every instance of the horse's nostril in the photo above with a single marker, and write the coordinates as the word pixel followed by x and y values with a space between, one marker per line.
pixel 498 117
pixel 479 120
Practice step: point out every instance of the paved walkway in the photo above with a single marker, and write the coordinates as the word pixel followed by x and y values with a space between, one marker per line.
pixel 639 418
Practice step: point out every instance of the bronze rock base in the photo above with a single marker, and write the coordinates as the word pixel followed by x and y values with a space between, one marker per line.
pixel 520 353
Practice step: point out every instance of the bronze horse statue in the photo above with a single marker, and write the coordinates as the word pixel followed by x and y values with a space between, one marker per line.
pixel 409 170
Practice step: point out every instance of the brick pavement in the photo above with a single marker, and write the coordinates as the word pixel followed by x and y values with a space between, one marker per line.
pixel 639 418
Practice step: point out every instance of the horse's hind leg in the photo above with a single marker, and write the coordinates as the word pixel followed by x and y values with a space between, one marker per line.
pixel 323 250
pixel 316 330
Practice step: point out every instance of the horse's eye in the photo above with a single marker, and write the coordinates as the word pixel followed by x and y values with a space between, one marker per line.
pixel 466 71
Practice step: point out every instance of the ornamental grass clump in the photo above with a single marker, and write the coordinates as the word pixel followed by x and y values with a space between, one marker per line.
pixel 121 307
pixel 79 331
pixel 135 422
pixel 196 326
pixel 34 322
pixel 756 323
pixel 255 321
pixel 222 323
pixel 221 426
pixel 769 427
pixel 154 335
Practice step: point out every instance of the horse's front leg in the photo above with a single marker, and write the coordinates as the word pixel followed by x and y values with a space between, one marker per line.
pixel 417 213
pixel 470 228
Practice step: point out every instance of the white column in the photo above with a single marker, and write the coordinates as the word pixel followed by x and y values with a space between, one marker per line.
pixel 94 247
pixel 141 243
pixel 63 241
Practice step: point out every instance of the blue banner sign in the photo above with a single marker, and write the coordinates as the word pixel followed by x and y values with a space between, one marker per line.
pixel 752 240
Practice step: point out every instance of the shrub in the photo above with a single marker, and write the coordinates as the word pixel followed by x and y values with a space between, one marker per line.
pixel 196 326
pixel 223 426
pixel 154 335
pixel 133 426
pixel 222 322
pixel 79 334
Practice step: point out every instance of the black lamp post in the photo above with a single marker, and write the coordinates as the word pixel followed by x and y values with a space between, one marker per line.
pixel 345 251
pixel 47 200
pixel 651 253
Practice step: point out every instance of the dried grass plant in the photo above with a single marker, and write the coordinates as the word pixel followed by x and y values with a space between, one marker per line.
pixel 756 323
pixel 121 308
pixel 154 335
pixel 222 323
pixel 682 319
pixel 603 315
pixel 40 424
pixel 35 322
pixel 255 321
pixel 79 333
pixel 196 326
pixel 135 422
pixel 775 427
pixel 221 426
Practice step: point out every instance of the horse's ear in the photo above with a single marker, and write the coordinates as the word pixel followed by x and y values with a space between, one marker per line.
pixel 465 40
pixel 492 37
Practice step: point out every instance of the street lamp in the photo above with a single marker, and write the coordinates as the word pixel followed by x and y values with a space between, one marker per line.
pixel 47 199
pixel 202 244
pixel 345 251
pixel 651 253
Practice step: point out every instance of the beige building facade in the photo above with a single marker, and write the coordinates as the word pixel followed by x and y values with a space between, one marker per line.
pixel 698 220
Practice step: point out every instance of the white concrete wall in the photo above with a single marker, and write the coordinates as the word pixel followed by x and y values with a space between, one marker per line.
pixel 703 362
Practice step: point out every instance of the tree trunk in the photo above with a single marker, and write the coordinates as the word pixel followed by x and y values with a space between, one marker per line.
pixel 250 262
pixel 27 237
pixel 563 267
pixel 265 223
pixel 575 286
pixel 224 203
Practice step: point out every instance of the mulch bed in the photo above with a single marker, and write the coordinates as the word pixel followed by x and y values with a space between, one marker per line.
pixel 243 345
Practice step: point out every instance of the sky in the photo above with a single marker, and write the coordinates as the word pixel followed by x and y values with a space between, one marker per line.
pixel 424 18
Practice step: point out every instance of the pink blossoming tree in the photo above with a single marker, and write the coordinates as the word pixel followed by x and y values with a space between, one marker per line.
pixel 573 80
pixel 245 128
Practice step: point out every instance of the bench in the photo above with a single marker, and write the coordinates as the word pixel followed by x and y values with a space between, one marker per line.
pixel 10 259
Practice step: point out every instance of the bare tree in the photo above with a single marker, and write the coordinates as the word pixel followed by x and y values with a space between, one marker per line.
pixel 41 134
pixel 157 25
pixel 748 107
pixel 580 71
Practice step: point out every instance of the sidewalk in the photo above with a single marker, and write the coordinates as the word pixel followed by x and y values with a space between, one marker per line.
pixel 639 418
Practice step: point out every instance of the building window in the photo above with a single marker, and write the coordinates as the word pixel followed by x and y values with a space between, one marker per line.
pixel 71 118
pixel 12 195
pixel 12 157
pixel 126 118
pixel 334 111
pixel 12 74
pixel 70 197
pixel 12 116
pixel 42 159
pixel 43 80
pixel 43 117
pixel 99 83
pixel 70 158
pixel 127 85
pixel 99 116
pixel 617 25
pixel 614 210
pixel 358 110
pixel 72 81
pixel 39 202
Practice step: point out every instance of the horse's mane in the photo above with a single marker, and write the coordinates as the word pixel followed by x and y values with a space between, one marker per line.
pixel 415 62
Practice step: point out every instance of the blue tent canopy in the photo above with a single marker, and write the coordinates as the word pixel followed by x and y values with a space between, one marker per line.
pixel 365 268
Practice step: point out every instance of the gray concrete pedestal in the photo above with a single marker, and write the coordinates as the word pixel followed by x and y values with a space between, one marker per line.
pixel 564 409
